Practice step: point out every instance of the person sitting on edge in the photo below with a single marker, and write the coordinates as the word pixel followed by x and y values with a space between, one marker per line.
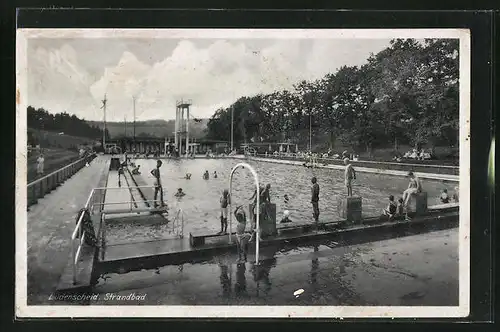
pixel 455 195
pixel 188 176
pixel 180 193
pixel 444 198
pixel 400 207
pixel 414 187
pixel 286 219
pixel 224 203
pixel 136 171
pixel 206 176
pixel 215 174
pixel 391 209
pixel 349 175
pixel 345 154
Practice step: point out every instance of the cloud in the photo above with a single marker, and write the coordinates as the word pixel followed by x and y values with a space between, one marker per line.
pixel 212 76
pixel 58 83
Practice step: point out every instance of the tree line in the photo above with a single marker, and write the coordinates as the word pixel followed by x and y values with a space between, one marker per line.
pixel 62 122
pixel 406 94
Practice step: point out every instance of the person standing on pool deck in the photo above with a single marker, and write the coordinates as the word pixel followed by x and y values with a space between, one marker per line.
pixel 158 187
pixel 39 164
pixel 315 198
pixel 120 173
pixel 349 175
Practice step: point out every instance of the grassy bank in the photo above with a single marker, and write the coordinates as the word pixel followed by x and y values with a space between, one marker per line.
pixel 54 159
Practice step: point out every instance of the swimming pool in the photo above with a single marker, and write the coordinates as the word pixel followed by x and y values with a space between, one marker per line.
pixel 201 203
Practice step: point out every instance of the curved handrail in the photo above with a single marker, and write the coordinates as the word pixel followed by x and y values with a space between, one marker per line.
pixel 257 207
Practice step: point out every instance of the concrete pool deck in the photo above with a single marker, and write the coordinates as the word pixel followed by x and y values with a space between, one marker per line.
pixel 50 224
pixel 412 271
pixel 423 175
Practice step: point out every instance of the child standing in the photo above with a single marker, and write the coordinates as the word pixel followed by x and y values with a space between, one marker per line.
pixel 242 236
pixel 39 167
pixel 400 207
pixel 224 202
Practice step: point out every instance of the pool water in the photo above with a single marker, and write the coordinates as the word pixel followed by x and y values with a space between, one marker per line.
pixel 413 270
pixel 201 203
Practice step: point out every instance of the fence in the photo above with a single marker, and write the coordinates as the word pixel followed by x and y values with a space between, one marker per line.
pixel 40 187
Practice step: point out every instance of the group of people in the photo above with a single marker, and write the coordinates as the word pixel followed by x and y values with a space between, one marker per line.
pixel 397 209
pixel 159 188
pixel 206 175
pixel 445 198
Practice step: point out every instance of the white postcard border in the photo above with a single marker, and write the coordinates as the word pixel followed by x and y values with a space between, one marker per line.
pixel 48 311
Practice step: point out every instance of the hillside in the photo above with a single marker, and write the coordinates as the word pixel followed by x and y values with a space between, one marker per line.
pixel 156 128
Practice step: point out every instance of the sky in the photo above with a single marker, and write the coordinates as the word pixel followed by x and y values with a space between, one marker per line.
pixel 73 74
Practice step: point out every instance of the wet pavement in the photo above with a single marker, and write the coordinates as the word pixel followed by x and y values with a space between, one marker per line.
pixel 413 270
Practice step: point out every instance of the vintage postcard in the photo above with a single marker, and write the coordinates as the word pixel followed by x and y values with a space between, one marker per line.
pixel 243 173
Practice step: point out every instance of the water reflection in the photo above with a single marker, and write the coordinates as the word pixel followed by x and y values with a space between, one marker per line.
pixel 225 280
pixel 261 274
pixel 240 287
pixel 314 269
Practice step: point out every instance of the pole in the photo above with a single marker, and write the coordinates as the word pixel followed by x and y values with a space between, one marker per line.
pixel 310 132
pixel 232 125
pixel 187 132
pixel 134 120
pixel 104 130
pixel 176 126
pixel 125 118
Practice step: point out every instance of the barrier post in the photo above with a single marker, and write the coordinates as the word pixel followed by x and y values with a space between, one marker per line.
pixel 73 255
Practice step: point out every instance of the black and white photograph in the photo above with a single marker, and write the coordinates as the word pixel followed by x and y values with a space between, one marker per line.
pixel 242 173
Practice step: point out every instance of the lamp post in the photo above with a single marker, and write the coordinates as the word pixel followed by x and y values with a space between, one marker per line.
pixel 232 127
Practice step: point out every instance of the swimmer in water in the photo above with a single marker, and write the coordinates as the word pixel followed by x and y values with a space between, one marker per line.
pixel 215 174
pixel 286 198
pixel 206 176
pixel 286 217
pixel 180 193
pixel 188 176
pixel 136 171
pixel 445 199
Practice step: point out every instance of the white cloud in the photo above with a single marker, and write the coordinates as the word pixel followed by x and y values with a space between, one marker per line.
pixel 212 77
